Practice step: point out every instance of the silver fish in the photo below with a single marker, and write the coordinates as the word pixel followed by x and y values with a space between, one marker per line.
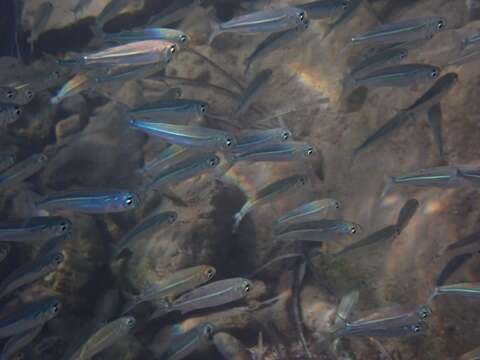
pixel 345 16
pixel 167 156
pixel 110 11
pixel 154 33
pixel 179 110
pixel 269 193
pixel 9 113
pixel 183 170
pixel 7 94
pixel 40 21
pixel 306 211
pixel 403 31
pixel 22 170
pixel 398 76
pixel 323 9
pixel 261 21
pixel 453 265
pixel 30 272
pixel 7 159
pixel 190 136
pixel 288 151
pixel 134 53
pixel 152 223
pixel 385 331
pixel 107 307
pixel 28 317
pixel 172 285
pixel 105 337
pixel 251 139
pixel 176 11
pixel 256 85
pixel 462 289
pixel 275 41
pixel 4 251
pixel 406 213
pixel 92 201
pixel 319 230
pixel 385 234
pixel 34 229
pixel 24 95
pixel 18 342
pixel 382 59
pixel 210 295
pixel 183 345
pixel 443 177
pixel 230 347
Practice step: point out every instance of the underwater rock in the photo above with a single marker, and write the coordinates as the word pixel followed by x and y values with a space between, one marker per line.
pixel 68 126
pixel 75 105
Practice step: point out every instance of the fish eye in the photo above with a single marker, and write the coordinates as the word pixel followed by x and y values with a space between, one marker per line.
pixel 416 328
pixel 209 273
pixel 172 218
pixel 353 230
pixel 42 158
pixel 58 258
pixel 212 162
pixel 337 205
pixel 183 38
pixel 173 48
pixel 203 108
pixel 10 94
pixel 403 55
pixel 64 226
pixel 29 94
pixel 309 151
pixel 17 110
pixel 345 5
pixel 440 24
pixel 301 16
pixel 285 135
pixel 246 289
pixel 130 322
pixel 434 73
pixel 228 142
pixel 129 200
pixel 55 308
pixel 302 180
pixel 208 331
pixel 178 93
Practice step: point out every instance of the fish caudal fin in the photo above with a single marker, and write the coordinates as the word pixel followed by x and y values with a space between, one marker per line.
pixel 214 31
pixel 388 185
pixel 131 301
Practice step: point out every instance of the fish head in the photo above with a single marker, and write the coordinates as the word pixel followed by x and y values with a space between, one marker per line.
pixel 308 150
pixel 171 216
pixel 301 17
pixel 60 226
pixel 183 39
pixel 416 329
pixel 438 23
pixel 244 287
pixel 50 309
pixel 402 54
pixel 128 200
pixel 201 108
pixel 227 141
pixel 424 312
pixel 282 134
pixel 26 95
pixel 129 322
pixel 57 258
pixel 212 161
pixel 40 159
pixel 432 72
pixel 206 331
pixel 15 112
pixel 207 272
pixel 9 93
pixel 302 180
pixel 352 228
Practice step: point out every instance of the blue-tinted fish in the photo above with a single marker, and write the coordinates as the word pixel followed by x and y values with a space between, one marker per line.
pixel 307 211
pixel 18 342
pixel 323 9
pixel 9 113
pixel 30 272
pixel 462 289
pixel 382 59
pixel 28 317
pixel 152 223
pixel 176 11
pixel 287 151
pixel 251 139
pixel 178 110
pixel 167 156
pixel 34 229
pixel 402 31
pixel 105 337
pixel 398 76
pixel 22 170
pixel 319 230
pixel 28 86
pixel 256 85
pixel 7 159
pixel 185 344
pixel 269 193
pixel 154 33
pixel 261 21
pixel 92 201
pixel 190 136
pixel 183 170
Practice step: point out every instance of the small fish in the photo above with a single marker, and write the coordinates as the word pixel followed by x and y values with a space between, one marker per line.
pixel 319 230
pixel 7 159
pixel 172 286
pixel 34 228
pixel 277 40
pixel 385 234
pixel 344 309
pixel 471 40
pixel 22 170
pixel 4 251
pixel 18 342
pixel 154 222
pixel 381 59
pixel 183 170
pixel 30 272
pixel 398 76
pixel 402 32
pixel 288 151
pixel 7 94
pixel 190 136
pixel 406 213
pixel 435 122
pixel 28 317
pixel 9 113
pixel 168 155
pixel 466 58
pixel 453 265
pixel 134 53
pixel 105 337
pixel 75 85
pixel 345 17
pixel 462 289
pixel 210 295
pixel 92 201
pixel 251 139
pixel 176 11
pixel 269 193
pixel 178 110
pixel 323 9
pixel 40 21
pixel 107 307
pixel 384 332
pixel 230 347
pixel 154 33
pixel 185 344
pixel 442 177
pixel 261 21
pixel 113 8
pixel 467 240
pixel 306 211
pixel 256 85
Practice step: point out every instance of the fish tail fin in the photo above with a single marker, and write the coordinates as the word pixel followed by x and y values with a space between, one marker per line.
pixel 131 301
pixel 388 185
pixel 247 62
pixel 345 48
pixel 161 311
pixel 214 30
pixel 238 217
pixel 434 295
